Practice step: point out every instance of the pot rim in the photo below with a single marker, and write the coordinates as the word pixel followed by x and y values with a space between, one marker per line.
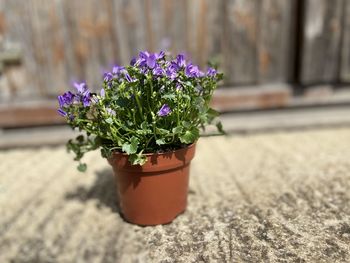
pixel 160 154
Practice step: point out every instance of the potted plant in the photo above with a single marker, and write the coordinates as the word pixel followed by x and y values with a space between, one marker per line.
pixel 146 121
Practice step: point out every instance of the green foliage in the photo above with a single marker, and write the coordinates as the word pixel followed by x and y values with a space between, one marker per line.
pixel 126 117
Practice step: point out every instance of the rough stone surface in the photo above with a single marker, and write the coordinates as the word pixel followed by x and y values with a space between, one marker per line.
pixel 273 197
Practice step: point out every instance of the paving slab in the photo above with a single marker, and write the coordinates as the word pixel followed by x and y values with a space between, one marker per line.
pixel 268 197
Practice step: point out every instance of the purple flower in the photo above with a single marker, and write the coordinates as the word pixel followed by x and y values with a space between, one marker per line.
pixel 107 77
pixel 117 70
pixel 110 111
pixel 164 110
pixel 81 87
pixel 133 61
pixel 128 78
pixel 142 61
pixel 144 70
pixel 171 71
pixel 192 71
pixel 62 112
pixel 180 60
pixel 178 86
pixel 86 100
pixel 61 101
pixel 160 55
pixel 143 55
pixel 174 65
pixel 211 72
pixel 158 71
pixel 103 93
pixel 151 61
pixel 66 99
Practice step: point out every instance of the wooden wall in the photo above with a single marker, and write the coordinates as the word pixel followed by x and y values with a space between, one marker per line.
pixel 254 41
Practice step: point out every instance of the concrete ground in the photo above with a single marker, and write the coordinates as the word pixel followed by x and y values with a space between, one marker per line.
pixel 263 197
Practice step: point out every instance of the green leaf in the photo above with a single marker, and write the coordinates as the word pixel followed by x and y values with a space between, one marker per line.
pixel 160 141
pixel 162 131
pixel 212 114
pixel 169 96
pixel 177 130
pixel 82 167
pixel 186 124
pixel 220 127
pixel 105 152
pixel 109 120
pixel 200 104
pixel 137 159
pixel 131 148
pixel 144 125
pixel 185 96
pixel 80 138
pixel 144 129
pixel 190 136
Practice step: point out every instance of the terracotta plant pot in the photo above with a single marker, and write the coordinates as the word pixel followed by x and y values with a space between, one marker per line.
pixel 156 192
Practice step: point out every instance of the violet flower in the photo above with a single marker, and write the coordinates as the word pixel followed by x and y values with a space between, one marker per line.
pixel 81 87
pixel 180 60
pixel 151 61
pixel 142 61
pixel 133 61
pixel 178 87
pixel 160 55
pixel 158 71
pixel 66 99
pixel 103 93
pixel 62 112
pixel 143 55
pixel 171 71
pixel 211 72
pixel 164 110
pixel 86 99
pixel 117 70
pixel 192 71
pixel 128 78
pixel 110 111
pixel 107 77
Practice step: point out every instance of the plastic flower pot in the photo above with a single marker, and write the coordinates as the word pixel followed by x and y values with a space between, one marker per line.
pixel 156 192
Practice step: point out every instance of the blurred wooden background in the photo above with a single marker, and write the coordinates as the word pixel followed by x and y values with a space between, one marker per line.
pixel 268 49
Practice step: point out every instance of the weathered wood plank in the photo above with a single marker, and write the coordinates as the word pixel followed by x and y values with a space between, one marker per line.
pixel 205 31
pixel 276 39
pixel 167 25
pixel 321 44
pixel 253 97
pixel 16 29
pixel 91 37
pixel 345 52
pixel 131 27
pixel 30 114
pixel 48 45
pixel 240 43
